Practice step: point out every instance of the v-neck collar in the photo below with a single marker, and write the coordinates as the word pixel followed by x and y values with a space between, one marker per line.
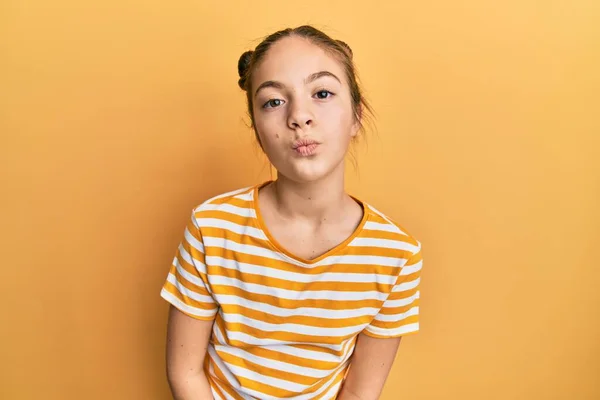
pixel 335 250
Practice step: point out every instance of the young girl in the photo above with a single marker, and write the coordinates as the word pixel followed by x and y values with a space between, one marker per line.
pixel 292 289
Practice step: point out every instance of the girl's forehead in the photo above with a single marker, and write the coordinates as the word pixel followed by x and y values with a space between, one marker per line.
pixel 295 58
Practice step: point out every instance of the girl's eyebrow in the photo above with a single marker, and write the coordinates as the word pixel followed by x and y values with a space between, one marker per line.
pixel 311 78
pixel 320 74
pixel 266 84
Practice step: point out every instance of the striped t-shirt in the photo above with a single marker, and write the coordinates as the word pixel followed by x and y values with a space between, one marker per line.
pixel 285 327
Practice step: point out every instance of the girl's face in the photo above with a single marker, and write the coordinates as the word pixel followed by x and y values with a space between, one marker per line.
pixel 302 110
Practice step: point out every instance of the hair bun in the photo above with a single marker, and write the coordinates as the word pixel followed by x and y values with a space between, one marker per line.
pixel 243 64
pixel 346 48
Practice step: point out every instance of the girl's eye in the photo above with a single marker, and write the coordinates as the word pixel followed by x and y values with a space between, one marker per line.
pixel 323 94
pixel 273 103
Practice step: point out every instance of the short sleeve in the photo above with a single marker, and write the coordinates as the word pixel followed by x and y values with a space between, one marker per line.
pixel 399 314
pixel 187 286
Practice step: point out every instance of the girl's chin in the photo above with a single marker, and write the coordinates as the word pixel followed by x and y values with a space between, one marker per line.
pixel 305 174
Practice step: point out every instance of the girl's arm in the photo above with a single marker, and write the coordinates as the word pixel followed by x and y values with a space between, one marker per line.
pixel 187 343
pixel 370 366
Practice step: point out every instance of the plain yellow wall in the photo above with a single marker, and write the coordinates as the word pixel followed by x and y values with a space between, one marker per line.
pixel 117 118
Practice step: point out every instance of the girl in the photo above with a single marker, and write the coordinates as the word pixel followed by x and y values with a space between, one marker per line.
pixel 292 289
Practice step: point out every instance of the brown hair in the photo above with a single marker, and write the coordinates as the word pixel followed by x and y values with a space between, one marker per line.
pixel 338 49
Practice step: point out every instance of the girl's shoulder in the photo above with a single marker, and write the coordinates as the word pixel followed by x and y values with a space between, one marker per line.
pixel 239 197
pixel 233 207
pixel 380 225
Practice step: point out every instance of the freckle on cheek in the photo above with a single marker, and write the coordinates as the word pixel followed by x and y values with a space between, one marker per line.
pixel 277 135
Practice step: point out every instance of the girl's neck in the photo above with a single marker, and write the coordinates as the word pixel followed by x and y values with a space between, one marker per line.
pixel 316 201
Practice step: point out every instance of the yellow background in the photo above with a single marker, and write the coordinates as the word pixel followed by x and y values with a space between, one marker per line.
pixel 118 117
